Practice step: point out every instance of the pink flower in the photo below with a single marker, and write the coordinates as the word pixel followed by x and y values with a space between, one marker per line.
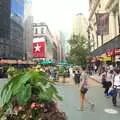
pixel 18 109
pixel 45 110
pixel 41 105
pixel 38 105
pixel 33 105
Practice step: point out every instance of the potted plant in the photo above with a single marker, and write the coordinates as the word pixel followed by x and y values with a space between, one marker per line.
pixel 30 95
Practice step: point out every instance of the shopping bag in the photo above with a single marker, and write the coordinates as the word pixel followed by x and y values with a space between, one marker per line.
pixel 111 91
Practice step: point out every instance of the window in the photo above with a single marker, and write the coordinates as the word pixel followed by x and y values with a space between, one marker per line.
pixel 99 5
pixel 119 23
pixel 36 31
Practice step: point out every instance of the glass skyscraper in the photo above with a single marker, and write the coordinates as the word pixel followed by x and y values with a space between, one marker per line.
pixel 11 29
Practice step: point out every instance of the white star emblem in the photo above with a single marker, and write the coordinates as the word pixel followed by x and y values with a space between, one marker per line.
pixel 37 48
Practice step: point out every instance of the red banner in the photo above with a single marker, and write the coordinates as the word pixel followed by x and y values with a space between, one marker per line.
pixel 38 49
pixel 102 20
pixel 110 52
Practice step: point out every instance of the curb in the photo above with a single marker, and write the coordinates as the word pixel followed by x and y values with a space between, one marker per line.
pixel 94 79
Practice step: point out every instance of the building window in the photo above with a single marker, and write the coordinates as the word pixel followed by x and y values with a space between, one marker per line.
pixel 99 5
pixel 36 31
pixel 119 23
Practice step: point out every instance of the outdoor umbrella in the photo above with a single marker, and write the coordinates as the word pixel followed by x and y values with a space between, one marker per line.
pixel 46 62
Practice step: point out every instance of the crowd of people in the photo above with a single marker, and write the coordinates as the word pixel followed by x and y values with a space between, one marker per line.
pixel 110 79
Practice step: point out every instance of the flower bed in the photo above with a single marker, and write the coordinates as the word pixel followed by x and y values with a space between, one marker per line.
pixel 30 95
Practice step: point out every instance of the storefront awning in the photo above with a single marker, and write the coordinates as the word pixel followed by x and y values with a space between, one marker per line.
pixel 114 43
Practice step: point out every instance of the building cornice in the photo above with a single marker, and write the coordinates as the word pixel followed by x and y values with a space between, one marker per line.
pixel 93 9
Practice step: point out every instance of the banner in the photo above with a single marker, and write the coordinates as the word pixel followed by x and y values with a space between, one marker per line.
pixel 38 50
pixel 102 21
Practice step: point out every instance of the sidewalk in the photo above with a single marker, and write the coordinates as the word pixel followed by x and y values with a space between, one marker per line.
pixel 96 77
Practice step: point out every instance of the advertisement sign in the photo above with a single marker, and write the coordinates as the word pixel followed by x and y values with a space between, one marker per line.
pixel 102 21
pixel 110 52
pixel 38 50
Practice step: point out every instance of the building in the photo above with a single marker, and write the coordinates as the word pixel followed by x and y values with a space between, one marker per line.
pixel 60 42
pixel 42 32
pixel 11 29
pixel 28 32
pixel 106 38
pixel 80 25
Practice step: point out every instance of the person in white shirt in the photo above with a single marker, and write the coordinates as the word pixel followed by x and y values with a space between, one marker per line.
pixel 116 85
pixel 109 80
pixel 71 73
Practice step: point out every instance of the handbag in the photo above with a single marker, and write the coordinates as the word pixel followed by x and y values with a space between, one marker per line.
pixel 112 91
pixel 84 89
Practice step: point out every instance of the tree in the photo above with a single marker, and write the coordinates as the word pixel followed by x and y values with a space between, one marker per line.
pixel 80 48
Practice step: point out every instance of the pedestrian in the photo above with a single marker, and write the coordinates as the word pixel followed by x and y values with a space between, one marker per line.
pixel 116 86
pixel 103 77
pixel 71 73
pixel 84 89
pixel 109 80
pixel 77 77
pixel 95 69
pixel 53 74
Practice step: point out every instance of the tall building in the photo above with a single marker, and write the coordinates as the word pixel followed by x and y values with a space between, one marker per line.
pixel 11 29
pixel 104 26
pixel 80 25
pixel 28 32
pixel 41 32
pixel 60 43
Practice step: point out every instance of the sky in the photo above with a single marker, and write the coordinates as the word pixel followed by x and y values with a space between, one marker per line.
pixel 58 14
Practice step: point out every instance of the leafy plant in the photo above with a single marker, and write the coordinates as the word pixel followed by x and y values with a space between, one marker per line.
pixel 28 87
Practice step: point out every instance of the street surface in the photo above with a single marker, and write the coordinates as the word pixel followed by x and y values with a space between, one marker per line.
pixel 2 82
pixel 104 110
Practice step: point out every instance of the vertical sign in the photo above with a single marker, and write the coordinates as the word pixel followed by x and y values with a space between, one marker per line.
pixel 102 20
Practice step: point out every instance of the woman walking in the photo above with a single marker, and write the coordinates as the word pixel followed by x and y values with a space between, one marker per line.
pixel 84 89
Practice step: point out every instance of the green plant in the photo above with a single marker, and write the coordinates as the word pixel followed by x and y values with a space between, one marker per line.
pixel 26 88
pixel 11 71
pixel 61 70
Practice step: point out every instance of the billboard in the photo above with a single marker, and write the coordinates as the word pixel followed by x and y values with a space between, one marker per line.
pixel 17 11
pixel 102 20
pixel 38 48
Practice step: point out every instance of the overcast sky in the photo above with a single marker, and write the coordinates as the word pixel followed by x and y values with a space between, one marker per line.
pixel 58 14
